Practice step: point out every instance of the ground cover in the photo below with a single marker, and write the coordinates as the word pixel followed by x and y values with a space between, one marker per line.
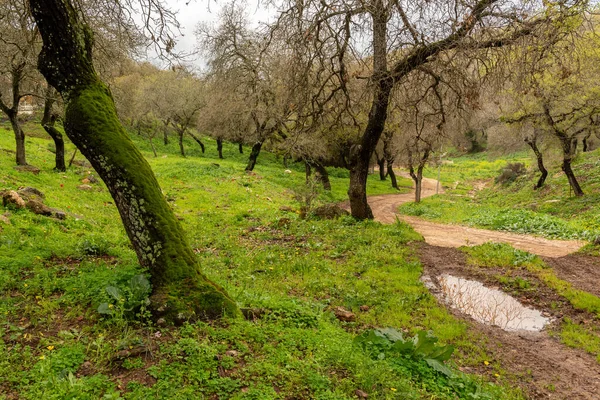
pixel 68 327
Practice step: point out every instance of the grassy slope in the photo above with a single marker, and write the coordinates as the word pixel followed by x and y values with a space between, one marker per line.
pixel 54 275
pixel 549 212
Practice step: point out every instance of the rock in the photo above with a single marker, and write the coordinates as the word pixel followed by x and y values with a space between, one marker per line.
pixel 92 179
pixel 37 207
pixel 58 214
pixel 231 353
pixel 360 394
pixel 12 198
pixel 84 187
pixel 28 168
pixel 344 315
pixel 82 163
pixel 85 181
pixel 287 171
pixel 30 193
pixel 286 209
pixel 365 308
pixel 4 218
pixel 329 211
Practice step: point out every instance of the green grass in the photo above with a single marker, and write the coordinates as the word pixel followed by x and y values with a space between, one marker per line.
pixel 549 212
pixel 54 344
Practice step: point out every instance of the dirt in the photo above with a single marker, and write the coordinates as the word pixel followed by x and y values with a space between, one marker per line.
pixel 543 367
pixel 445 235
pixel 581 271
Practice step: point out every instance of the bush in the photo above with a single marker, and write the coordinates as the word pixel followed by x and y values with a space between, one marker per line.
pixel 510 172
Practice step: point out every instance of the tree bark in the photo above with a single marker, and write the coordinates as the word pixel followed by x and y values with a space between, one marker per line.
pixel 197 139
pixel 361 153
pixel 566 164
pixel 241 148
pixel 180 290
pixel 392 175
pixel 322 176
pixel 166 132
pixel 220 148
pixel 48 122
pixel 584 142
pixel 181 148
pixel 12 112
pixel 381 164
pixel 307 170
pixel 19 138
pixel 540 162
pixel 254 156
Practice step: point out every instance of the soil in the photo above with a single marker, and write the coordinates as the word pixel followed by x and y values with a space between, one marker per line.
pixel 445 235
pixel 542 366
pixel 537 361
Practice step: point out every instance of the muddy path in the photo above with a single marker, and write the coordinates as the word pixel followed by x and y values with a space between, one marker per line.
pixel 384 209
pixel 536 361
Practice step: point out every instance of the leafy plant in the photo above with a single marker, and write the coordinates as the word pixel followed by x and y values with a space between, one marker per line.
pixel 128 300
pixel 382 343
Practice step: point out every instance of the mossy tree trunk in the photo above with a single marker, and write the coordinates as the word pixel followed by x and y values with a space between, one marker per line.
pixel 381 166
pixel 12 112
pixel 197 140
pixel 390 171
pixel 48 122
pixel 180 290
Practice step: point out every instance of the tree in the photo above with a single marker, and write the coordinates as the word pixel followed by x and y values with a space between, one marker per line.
pixel 18 44
pixel 180 290
pixel 404 36
pixel 48 123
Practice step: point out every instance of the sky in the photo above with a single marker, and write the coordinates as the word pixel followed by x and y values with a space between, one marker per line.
pixel 192 12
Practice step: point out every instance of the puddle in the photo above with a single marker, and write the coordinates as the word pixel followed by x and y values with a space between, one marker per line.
pixel 485 305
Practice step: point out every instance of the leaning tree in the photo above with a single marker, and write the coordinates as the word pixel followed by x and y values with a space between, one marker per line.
pixel 180 289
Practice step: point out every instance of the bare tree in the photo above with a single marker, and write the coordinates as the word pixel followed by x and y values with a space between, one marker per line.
pixel 403 36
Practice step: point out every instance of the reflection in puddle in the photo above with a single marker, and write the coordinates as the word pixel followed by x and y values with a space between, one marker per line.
pixel 488 306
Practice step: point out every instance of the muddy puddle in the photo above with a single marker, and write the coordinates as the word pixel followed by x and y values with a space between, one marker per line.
pixel 485 305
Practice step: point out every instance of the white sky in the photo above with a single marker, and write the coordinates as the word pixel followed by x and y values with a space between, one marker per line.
pixel 191 12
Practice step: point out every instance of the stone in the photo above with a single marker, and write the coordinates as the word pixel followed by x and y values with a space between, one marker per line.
pixel 85 181
pixel 329 211
pixel 4 218
pixel 37 207
pixel 92 179
pixel 231 353
pixel 344 315
pixel 31 193
pixel 12 198
pixel 360 394
pixel 364 308
pixel 28 168
pixel 84 187
pixel 286 209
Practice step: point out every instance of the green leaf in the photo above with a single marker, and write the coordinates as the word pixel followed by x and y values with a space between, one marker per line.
pixel 114 292
pixel 439 367
pixel 104 309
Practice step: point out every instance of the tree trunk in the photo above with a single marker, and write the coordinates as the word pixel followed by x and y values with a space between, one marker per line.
pixel 48 122
pixel 197 139
pixel 220 148
pixel 392 175
pixel 381 165
pixel 241 148
pixel 419 183
pixel 584 141
pixel 166 132
pixel 566 164
pixel 180 290
pixel 19 138
pixel 383 83
pixel 322 175
pixel 253 156
pixel 566 167
pixel 181 148
pixel 540 162
pixel 308 171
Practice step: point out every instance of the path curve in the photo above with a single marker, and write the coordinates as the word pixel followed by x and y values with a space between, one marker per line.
pixel 445 235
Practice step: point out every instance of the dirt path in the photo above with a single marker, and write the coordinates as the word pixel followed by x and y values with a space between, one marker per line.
pixel 542 366
pixel 384 209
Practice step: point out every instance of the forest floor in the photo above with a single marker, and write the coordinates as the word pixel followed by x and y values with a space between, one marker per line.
pixel 544 367
pixel 446 235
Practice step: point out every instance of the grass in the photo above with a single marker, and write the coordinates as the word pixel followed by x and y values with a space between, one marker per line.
pixel 55 274
pixel 549 212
